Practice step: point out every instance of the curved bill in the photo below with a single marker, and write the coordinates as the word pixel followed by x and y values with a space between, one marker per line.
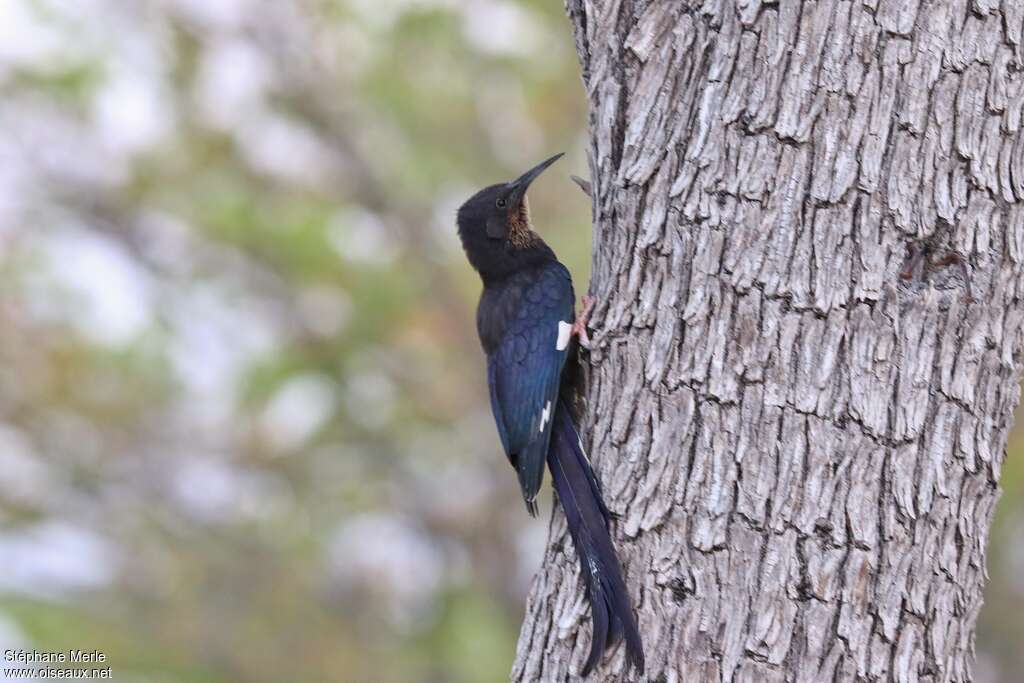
pixel 520 184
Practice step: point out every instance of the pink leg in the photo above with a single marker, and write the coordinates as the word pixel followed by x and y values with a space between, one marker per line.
pixel 579 328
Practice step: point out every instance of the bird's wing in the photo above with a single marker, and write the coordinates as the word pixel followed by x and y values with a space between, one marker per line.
pixel 524 372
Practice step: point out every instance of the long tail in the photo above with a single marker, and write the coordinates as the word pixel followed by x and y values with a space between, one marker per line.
pixel 587 515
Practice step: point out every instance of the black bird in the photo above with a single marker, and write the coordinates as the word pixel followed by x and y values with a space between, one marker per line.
pixel 526 321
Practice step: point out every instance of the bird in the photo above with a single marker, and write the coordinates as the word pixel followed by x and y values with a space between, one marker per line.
pixel 526 323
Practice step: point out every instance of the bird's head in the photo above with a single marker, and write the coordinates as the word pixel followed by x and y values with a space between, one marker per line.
pixel 494 224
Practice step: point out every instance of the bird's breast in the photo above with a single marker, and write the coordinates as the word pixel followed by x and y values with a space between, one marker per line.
pixel 497 308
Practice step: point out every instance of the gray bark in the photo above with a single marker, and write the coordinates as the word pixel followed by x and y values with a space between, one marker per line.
pixel 799 398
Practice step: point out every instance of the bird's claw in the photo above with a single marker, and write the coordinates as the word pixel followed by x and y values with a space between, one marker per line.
pixel 579 328
pixel 584 184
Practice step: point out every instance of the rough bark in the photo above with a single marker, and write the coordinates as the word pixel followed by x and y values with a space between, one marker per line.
pixel 799 397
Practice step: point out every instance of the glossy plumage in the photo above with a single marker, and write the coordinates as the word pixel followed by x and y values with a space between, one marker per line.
pixel 525 321
pixel 521 324
pixel 588 520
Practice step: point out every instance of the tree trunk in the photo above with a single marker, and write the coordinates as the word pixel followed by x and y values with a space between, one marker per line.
pixel 808 244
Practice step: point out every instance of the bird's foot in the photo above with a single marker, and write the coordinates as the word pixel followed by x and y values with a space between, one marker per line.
pixel 579 328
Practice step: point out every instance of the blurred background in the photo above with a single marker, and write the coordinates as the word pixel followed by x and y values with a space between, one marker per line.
pixel 244 433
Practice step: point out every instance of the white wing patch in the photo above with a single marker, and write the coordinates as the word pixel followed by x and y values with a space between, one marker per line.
pixel 544 416
pixel 564 334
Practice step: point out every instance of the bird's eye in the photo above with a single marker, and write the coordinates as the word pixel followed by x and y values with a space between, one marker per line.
pixel 501 203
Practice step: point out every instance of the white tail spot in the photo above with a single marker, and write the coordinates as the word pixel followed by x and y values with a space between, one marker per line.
pixel 564 334
pixel 583 450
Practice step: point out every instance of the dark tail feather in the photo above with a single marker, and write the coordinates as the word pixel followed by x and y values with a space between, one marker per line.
pixel 530 469
pixel 587 516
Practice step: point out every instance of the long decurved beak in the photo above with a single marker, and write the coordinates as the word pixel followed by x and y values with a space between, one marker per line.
pixel 520 184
